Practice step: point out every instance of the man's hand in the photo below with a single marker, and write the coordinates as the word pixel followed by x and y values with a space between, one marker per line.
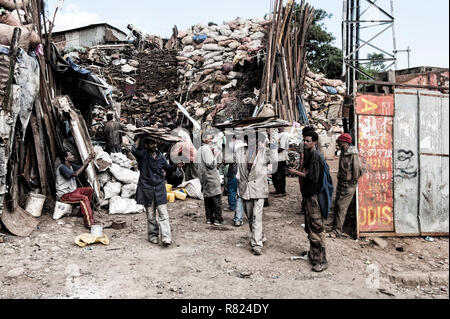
pixel 91 156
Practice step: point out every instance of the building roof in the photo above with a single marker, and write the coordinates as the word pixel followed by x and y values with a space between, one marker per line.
pixel 89 27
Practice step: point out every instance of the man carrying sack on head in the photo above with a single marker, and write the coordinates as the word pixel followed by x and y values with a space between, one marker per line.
pixel 151 191
pixel 349 172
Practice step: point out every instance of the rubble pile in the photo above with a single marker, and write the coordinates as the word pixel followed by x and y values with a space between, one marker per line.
pixel 216 75
pixel 145 83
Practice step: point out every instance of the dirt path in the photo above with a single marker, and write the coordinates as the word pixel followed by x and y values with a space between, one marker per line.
pixel 210 262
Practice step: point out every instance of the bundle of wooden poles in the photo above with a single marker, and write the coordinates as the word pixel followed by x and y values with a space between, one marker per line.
pixel 286 66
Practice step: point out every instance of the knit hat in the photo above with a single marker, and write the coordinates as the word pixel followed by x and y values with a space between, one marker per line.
pixel 345 138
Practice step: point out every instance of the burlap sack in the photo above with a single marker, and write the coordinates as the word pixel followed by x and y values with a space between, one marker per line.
pixel 10 5
pixel 8 19
pixel 6 34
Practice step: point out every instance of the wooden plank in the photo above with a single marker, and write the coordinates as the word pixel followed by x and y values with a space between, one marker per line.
pixel 13 50
pixel 40 156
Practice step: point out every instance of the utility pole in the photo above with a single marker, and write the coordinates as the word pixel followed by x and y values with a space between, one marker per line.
pixel 409 55
pixel 355 20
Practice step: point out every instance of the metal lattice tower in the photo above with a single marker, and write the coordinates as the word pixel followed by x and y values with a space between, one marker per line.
pixel 366 15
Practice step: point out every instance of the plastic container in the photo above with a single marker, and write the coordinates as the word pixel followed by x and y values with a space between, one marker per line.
pixel 171 197
pixel 169 188
pixel 61 210
pixel 97 230
pixel 34 204
pixel 180 195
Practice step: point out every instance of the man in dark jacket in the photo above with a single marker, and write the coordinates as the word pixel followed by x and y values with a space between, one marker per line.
pixel 349 172
pixel 312 181
pixel 113 135
pixel 151 190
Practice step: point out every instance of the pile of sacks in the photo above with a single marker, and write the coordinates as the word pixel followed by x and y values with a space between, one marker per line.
pixel 211 59
pixel 10 18
pixel 118 179
pixel 323 98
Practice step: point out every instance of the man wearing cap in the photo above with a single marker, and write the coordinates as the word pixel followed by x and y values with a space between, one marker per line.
pixel 151 190
pixel 349 172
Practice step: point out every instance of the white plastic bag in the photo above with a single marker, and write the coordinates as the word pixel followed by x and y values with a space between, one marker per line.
pixel 128 190
pixel 102 159
pixel 122 160
pixel 123 175
pixel 193 188
pixel 112 189
pixel 119 205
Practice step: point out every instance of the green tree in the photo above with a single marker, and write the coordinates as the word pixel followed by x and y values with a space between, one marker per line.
pixel 375 66
pixel 322 56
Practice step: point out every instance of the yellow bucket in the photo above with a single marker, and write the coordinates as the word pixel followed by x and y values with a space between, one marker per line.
pixel 168 188
pixel 171 197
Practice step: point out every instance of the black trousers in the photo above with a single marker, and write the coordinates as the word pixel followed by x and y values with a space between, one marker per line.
pixel 213 209
pixel 279 178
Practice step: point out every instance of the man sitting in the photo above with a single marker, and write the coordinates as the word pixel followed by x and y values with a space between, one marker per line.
pixel 66 186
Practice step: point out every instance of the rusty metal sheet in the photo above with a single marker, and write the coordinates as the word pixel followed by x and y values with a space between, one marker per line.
pixel 375 189
pixel 434 162
pixel 406 162
pixel 375 104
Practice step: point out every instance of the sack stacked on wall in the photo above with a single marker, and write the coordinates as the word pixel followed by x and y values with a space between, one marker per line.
pixel 29 38
pixel 212 59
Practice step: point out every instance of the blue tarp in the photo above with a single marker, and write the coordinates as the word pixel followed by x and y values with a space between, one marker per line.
pixel 331 90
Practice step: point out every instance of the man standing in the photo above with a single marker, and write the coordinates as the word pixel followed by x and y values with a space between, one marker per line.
pixel 66 186
pixel 207 159
pixel 151 190
pixel 349 172
pixel 302 152
pixel 253 187
pixel 113 135
pixel 279 178
pixel 312 181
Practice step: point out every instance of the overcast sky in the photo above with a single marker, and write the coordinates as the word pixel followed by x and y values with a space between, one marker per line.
pixel 421 25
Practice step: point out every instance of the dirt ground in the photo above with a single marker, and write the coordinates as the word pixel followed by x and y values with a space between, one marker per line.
pixel 215 262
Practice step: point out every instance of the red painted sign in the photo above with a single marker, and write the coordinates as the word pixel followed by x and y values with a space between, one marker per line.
pixel 376 211
pixel 375 104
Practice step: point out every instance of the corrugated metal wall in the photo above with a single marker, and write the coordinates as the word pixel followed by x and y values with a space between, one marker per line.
pixel 420 162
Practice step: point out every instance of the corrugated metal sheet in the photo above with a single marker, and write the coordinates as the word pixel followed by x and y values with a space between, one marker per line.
pixel 406 162
pixel 434 162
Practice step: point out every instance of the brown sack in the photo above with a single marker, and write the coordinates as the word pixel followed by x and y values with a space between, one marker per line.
pixel 10 5
pixel 9 19
pixel 6 34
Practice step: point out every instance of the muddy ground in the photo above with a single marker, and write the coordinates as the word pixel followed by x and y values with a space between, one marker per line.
pixel 215 262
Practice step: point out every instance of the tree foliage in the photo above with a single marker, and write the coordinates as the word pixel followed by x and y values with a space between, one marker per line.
pixel 375 66
pixel 322 56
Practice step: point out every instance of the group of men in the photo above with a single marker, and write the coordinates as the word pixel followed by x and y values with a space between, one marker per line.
pixel 247 184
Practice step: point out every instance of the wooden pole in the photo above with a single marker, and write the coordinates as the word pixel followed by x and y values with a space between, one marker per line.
pixel 13 51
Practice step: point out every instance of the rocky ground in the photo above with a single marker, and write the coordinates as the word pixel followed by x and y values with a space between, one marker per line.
pixel 215 262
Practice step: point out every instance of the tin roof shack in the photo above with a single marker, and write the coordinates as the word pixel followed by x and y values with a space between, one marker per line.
pixel 32 131
pixel 88 36
pixel 403 138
